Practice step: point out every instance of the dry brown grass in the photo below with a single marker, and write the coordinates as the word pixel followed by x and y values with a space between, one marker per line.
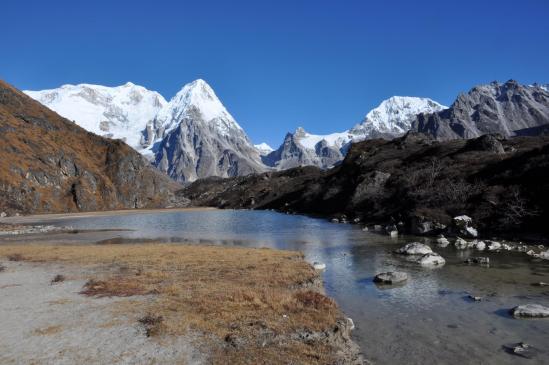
pixel 230 294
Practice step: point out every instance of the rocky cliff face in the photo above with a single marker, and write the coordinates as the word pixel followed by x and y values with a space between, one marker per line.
pixel 508 109
pixel 194 136
pixel 392 118
pixel 49 164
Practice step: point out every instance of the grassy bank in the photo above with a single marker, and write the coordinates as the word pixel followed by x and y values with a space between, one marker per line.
pixel 248 305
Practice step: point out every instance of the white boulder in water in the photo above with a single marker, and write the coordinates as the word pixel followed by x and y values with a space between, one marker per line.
pixel 414 248
pixel 530 311
pixel 432 259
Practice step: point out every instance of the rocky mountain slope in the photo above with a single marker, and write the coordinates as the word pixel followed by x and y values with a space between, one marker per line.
pixel 194 136
pixel 190 137
pixel 393 117
pixel 508 109
pixel 502 184
pixel 50 164
pixel 122 112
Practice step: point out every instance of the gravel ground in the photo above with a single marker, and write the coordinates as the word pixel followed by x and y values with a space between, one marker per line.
pixel 45 323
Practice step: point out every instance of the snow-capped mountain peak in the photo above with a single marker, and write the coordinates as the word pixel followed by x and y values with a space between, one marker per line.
pixel 117 112
pixel 197 97
pixel 395 115
pixel 263 148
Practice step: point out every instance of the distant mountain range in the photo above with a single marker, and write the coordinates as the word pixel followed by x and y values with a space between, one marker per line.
pixel 392 118
pixel 194 136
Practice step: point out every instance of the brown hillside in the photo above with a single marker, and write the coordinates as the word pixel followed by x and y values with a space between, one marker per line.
pixel 49 164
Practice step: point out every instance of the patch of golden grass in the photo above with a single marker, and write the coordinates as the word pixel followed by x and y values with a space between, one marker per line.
pixel 224 292
pixel 48 331
pixel 60 301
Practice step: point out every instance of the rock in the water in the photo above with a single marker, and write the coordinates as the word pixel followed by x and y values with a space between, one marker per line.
pixel 541 283
pixel 442 241
pixel 478 260
pixel 522 349
pixel 391 277
pixel 365 229
pixel 335 220
pixel 431 259
pixel 378 228
pixel 3 214
pixel 460 243
pixel 544 255
pixel 414 248
pixel 530 311
pixel 319 265
pixel 474 298
pixel 393 233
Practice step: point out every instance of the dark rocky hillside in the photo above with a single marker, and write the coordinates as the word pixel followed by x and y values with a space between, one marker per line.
pixel 49 164
pixel 508 109
pixel 503 184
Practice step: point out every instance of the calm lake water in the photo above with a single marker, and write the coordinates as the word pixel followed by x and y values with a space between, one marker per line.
pixel 428 320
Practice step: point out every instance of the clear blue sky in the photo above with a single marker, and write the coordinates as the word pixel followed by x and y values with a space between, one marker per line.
pixel 279 64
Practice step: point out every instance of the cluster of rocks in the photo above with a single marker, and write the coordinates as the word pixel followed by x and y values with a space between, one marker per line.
pixel 422 254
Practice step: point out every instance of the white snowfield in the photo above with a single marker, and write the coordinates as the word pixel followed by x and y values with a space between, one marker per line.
pixel 121 112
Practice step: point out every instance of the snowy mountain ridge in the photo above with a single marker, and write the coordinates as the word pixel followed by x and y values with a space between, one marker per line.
pixel 393 117
pixel 121 112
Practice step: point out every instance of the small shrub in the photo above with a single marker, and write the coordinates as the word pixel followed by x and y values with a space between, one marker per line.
pixel 152 324
pixel 15 257
pixel 58 279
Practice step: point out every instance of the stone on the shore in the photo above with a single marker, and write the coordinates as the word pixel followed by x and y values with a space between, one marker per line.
pixel 414 248
pixel 479 245
pixel 541 283
pixel 351 323
pixel 460 243
pixel 475 298
pixel 3 214
pixel 493 245
pixel 530 311
pixel 335 220
pixel 544 255
pixel 532 253
pixel 378 228
pixel 319 265
pixel 431 259
pixel 464 225
pixel 478 260
pixel 365 229
pixel 393 233
pixel 391 277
